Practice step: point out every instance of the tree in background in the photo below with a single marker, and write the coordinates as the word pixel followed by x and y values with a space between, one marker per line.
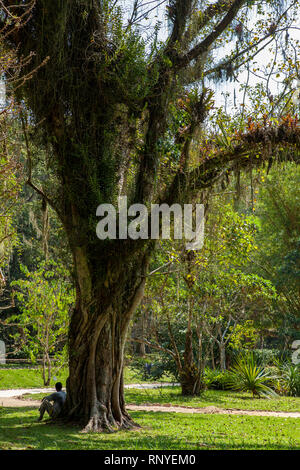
pixel 10 169
pixel 199 298
pixel 233 299
pixel 278 240
pixel 11 162
pixel 45 298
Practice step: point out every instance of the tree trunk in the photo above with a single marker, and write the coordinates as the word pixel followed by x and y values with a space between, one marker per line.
pixel 222 356
pixel 44 370
pixel 188 374
pixel 95 385
pixel 190 379
pixel 212 355
pixel 97 335
pixel 48 369
pixel 138 331
pixel 142 347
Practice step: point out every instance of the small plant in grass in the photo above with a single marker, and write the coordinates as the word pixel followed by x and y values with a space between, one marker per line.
pixel 216 379
pixel 289 379
pixel 247 375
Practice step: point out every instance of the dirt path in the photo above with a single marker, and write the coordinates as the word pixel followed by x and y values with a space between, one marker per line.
pixel 212 410
pixel 16 402
pixel 13 392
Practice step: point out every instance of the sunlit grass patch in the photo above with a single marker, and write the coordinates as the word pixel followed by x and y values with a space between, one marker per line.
pixel 159 431
pixel 217 398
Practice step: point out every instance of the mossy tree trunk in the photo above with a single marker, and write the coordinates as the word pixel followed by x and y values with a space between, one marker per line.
pixel 97 336
pixel 95 383
pixel 191 372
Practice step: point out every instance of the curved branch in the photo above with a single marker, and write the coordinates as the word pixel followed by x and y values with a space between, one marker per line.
pixel 155 346
pixel 251 151
pixel 29 178
pixel 271 33
pixel 204 45
pixel 201 20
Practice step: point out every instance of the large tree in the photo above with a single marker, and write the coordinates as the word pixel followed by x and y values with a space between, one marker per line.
pixel 102 101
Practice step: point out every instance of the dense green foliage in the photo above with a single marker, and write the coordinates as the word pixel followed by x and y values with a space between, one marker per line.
pixel 45 297
pixel 247 375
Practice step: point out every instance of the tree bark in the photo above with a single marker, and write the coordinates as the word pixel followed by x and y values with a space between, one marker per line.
pixel 44 370
pixel 48 369
pixel 97 336
pixel 190 374
pixel 212 355
pixel 222 356
pixel 96 363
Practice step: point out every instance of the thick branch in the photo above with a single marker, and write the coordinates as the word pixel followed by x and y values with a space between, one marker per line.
pixel 29 178
pixel 179 13
pixel 230 60
pixel 204 45
pixel 255 148
pixel 155 346
pixel 200 20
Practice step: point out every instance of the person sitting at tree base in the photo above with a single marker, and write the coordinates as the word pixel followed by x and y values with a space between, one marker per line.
pixel 53 409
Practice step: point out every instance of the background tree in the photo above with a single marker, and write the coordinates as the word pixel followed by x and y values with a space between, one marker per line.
pixel 45 297
pixel 11 162
pixel 277 258
pixel 9 189
pixel 10 170
pixel 199 298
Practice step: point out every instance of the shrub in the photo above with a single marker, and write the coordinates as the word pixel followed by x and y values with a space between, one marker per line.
pixel 248 375
pixel 148 368
pixel 268 357
pixel 216 379
pixel 289 380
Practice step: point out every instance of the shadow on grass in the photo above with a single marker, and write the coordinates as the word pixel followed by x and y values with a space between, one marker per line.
pixel 19 429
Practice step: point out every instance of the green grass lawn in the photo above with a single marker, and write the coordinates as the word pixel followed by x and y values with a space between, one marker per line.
pixel 159 431
pixel 32 378
pixel 27 378
pixel 164 431
pixel 217 398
